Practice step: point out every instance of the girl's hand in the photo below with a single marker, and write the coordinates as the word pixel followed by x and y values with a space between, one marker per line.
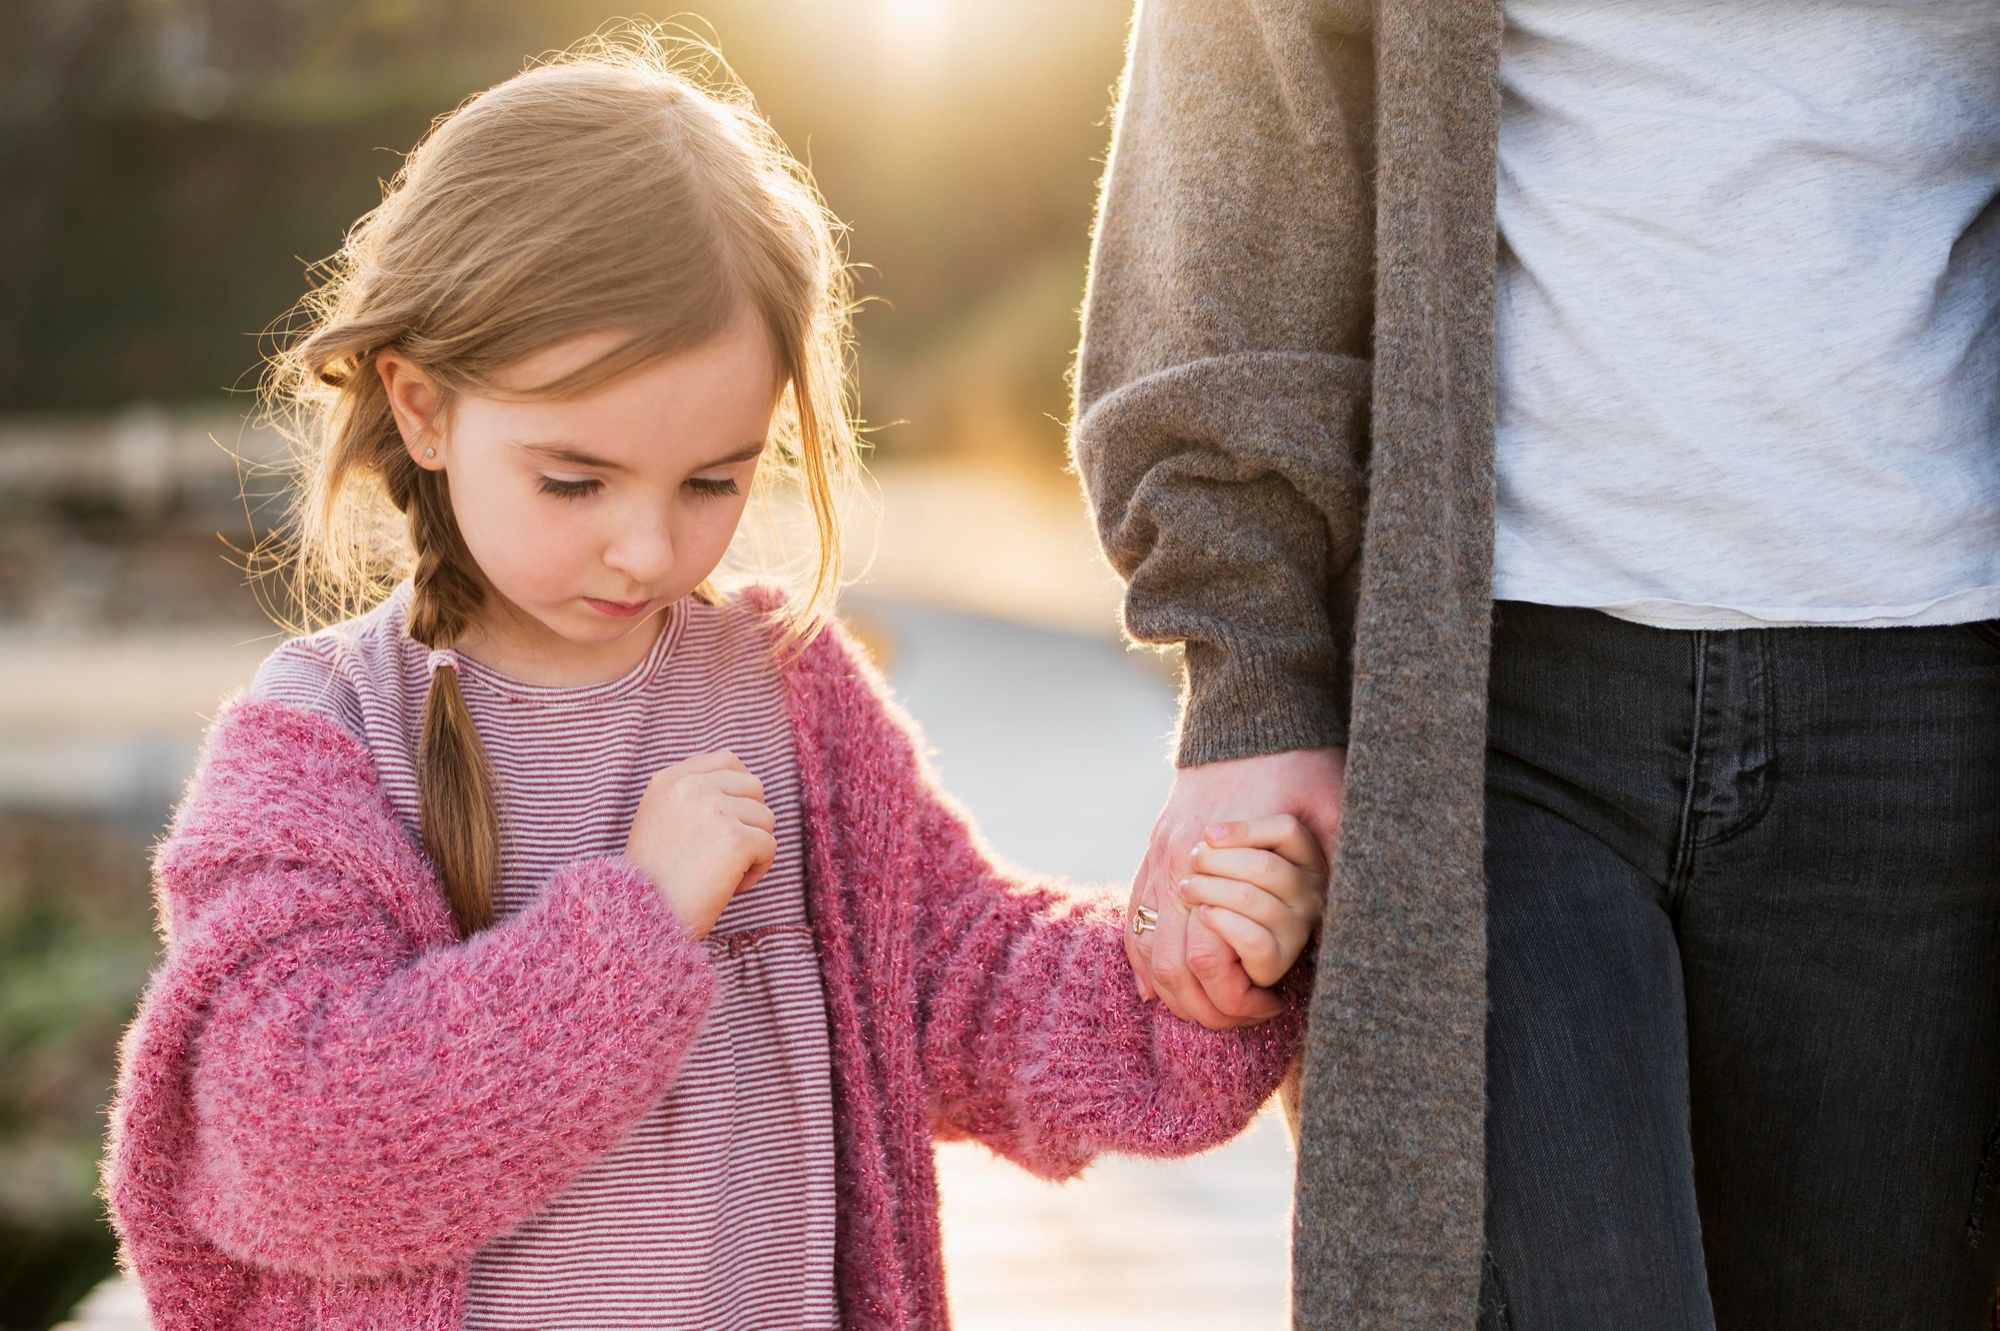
pixel 702 833
pixel 1261 885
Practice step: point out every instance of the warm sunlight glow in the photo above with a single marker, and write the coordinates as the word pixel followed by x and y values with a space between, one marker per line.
pixel 916 23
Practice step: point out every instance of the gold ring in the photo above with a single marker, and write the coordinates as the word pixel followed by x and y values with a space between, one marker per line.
pixel 1144 918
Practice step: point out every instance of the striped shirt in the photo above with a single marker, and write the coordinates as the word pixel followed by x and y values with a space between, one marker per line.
pixel 716 1210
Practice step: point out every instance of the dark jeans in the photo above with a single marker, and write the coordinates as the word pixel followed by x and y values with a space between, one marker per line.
pixel 1744 966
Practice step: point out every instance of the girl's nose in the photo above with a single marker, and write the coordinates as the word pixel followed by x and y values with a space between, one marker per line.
pixel 645 555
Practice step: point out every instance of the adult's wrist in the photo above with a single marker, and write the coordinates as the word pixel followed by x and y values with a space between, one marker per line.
pixel 1241 705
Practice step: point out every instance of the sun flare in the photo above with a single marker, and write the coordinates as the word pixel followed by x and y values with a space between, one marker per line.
pixel 916 22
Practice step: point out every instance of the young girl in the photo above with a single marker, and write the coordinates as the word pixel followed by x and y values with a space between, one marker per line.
pixel 560 941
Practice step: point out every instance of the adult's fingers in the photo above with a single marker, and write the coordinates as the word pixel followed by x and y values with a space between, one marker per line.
pixel 1179 988
pixel 1139 947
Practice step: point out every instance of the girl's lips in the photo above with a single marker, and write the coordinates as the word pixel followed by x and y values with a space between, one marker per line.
pixel 622 609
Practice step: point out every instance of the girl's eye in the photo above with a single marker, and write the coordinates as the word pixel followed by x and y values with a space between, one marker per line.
pixel 578 489
pixel 567 489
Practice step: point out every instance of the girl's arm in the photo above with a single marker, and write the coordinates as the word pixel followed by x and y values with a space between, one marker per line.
pixel 361 1106
pixel 1030 1034
pixel 1035 1041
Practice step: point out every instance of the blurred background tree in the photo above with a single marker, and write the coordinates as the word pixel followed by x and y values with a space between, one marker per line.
pixel 170 166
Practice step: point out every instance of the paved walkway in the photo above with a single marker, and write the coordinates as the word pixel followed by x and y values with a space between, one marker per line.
pixel 1057 743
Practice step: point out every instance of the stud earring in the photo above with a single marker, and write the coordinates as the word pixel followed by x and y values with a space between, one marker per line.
pixel 430 452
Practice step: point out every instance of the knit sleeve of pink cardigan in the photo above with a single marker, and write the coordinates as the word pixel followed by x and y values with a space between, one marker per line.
pixel 364 1092
pixel 1028 1028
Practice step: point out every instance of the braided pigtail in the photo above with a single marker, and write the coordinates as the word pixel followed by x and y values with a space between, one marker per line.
pixel 460 821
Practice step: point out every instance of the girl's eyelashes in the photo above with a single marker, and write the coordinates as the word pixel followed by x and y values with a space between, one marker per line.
pixel 567 489
pixel 578 489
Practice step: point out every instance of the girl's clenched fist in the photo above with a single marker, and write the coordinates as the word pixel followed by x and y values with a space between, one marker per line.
pixel 703 833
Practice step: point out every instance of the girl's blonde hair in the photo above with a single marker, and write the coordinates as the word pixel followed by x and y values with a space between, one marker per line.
pixel 626 184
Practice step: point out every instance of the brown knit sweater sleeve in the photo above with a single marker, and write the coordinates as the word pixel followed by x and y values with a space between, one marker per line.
pixel 1220 421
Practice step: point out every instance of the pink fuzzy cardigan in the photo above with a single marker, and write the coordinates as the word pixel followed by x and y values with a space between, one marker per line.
pixel 327 1102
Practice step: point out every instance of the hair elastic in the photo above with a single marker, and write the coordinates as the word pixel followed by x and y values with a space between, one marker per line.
pixel 440 656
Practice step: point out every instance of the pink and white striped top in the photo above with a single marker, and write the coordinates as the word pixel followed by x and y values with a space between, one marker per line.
pixel 717 1209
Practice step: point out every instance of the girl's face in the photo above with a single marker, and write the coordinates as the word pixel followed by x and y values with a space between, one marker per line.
pixel 629 493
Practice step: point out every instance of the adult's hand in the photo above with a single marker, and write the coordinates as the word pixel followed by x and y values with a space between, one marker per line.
pixel 1182 961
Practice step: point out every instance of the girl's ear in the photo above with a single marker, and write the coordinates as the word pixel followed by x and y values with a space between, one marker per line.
pixel 413 401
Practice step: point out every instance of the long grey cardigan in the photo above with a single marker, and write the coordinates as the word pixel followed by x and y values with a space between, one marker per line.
pixel 1283 421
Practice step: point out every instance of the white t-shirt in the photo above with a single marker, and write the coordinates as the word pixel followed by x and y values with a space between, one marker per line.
pixel 1747 324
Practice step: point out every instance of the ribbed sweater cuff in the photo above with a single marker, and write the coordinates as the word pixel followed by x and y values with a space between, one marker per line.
pixel 1240 705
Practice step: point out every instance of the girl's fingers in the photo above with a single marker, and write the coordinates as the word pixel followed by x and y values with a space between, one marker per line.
pixel 732 781
pixel 1267 870
pixel 766 854
pixel 756 813
pixel 1263 957
pixel 1303 891
pixel 1245 899
pixel 1280 832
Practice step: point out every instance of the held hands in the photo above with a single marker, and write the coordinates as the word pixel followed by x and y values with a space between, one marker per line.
pixel 702 833
pixel 1261 886
pixel 1190 966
